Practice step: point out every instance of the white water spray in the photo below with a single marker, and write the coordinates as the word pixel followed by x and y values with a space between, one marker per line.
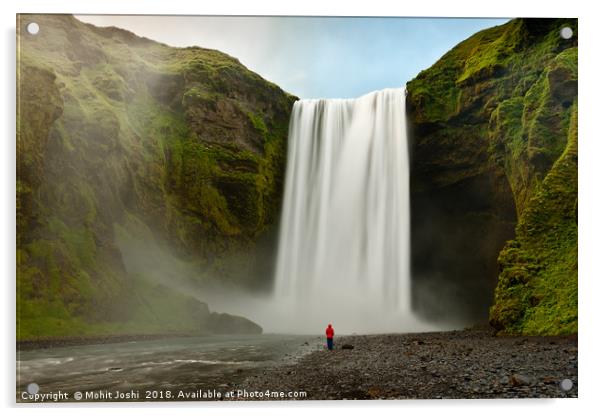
pixel 344 251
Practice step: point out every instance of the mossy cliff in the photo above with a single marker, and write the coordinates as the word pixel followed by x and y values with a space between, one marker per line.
pixel 494 178
pixel 124 140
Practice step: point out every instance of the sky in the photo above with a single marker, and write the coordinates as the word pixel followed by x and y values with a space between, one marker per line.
pixel 314 57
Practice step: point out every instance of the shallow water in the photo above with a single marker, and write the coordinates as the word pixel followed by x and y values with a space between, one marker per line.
pixel 189 364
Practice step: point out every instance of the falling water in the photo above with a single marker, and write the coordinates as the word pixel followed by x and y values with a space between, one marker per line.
pixel 344 251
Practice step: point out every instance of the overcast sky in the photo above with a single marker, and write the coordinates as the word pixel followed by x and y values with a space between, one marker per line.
pixel 314 57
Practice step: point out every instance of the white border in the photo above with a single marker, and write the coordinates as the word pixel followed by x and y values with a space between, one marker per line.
pixel 589 205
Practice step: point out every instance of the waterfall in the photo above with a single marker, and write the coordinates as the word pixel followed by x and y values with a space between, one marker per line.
pixel 344 248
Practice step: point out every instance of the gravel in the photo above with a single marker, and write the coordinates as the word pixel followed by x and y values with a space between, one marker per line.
pixel 471 363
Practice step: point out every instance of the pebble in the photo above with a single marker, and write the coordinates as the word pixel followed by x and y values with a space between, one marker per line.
pixel 520 380
pixel 431 365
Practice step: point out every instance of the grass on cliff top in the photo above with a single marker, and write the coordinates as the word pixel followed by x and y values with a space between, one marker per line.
pixel 490 50
pixel 489 56
pixel 437 89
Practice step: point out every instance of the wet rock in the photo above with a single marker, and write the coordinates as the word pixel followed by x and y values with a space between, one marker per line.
pixel 549 380
pixel 517 380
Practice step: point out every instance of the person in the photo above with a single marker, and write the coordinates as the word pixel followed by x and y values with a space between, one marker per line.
pixel 329 336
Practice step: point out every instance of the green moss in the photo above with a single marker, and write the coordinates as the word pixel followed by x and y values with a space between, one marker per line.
pixel 78 241
pixel 439 93
pixel 195 96
pixel 567 59
pixel 258 123
pixel 490 51
pixel 104 78
pixel 506 134
pixel 538 283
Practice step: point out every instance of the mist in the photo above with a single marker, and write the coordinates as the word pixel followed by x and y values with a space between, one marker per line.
pixel 344 259
pixel 155 262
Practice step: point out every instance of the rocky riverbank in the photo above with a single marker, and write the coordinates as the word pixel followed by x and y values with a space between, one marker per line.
pixel 456 364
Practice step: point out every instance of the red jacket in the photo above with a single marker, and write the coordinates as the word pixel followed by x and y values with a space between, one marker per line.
pixel 329 332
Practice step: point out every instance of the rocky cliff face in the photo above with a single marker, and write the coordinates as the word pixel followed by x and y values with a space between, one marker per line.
pixel 494 179
pixel 123 140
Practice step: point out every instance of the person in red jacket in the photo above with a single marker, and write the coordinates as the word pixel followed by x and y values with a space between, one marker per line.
pixel 329 336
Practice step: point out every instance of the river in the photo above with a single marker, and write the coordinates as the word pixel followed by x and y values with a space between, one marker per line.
pixel 148 370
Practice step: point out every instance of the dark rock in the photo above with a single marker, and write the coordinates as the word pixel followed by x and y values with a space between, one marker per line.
pixel 549 380
pixel 224 323
pixel 347 347
pixel 517 380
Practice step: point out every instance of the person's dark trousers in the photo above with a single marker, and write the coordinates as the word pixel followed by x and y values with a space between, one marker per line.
pixel 329 343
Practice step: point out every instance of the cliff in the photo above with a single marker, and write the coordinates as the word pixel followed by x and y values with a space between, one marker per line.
pixel 127 150
pixel 494 179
